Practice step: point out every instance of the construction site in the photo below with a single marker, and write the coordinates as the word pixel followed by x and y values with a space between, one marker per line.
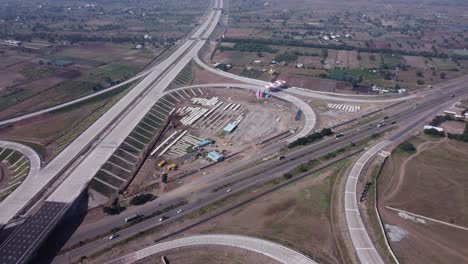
pixel 188 132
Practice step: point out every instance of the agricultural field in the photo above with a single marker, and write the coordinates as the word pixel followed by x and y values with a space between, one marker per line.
pixel 403 46
pixel 67 49
pixel 55 130
pixel 429 181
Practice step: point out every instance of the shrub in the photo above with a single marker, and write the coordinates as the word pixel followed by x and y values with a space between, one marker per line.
pixel 141 199
pixel 408 147
pixel 434 132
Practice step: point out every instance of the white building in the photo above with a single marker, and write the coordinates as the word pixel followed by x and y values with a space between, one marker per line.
pixel 427 127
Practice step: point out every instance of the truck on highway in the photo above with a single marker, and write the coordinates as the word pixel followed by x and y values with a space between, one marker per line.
pixel 133 218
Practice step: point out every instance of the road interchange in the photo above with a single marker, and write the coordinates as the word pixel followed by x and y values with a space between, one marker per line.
pixel 294 159
pixel 162 75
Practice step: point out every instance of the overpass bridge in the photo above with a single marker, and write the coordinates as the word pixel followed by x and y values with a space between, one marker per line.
pixel 91 149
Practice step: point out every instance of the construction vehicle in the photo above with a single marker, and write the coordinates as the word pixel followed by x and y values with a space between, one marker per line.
pixel 173 166
pixel 162 163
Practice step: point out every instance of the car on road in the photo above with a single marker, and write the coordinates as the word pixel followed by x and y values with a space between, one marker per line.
pixel 180 211
pixel 113 236
pixel 162 218
pixel 228 190
pixel 338 135
pixel 381 125
pixel 281 157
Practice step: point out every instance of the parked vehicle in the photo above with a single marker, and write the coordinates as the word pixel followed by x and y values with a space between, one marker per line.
pixel 113 236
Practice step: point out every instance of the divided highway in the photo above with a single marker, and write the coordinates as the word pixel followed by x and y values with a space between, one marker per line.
pixel 77 164
pixel 129 108
pixel 261 172
pixel 363 244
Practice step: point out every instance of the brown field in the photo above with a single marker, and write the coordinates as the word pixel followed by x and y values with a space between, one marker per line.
pixel 95 51
pixel 9 77
pixel 431 182
pixel 55 130
pixel 297 216
pixel 310 61
pixel 240 32
pixel 239 58
pixel 366 61
pixel 453 127
pixel 413 61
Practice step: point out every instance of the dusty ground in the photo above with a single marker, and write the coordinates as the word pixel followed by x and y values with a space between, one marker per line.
pixel 431 182
pixel 209 255
pixel 329 117
pixel 263 118
pixel 453 127
pixel 296 216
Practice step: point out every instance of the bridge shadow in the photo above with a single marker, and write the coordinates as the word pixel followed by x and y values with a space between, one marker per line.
pixel 64 230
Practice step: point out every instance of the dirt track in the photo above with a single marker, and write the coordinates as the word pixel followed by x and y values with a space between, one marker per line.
pixel 431 182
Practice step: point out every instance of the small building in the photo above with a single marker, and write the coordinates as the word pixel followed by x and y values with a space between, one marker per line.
pixel 427 127
pixel 215 156
pixel 203 143
pixel 229 128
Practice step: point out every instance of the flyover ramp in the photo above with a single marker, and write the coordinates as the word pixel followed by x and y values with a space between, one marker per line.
pixel 305 92
pixel 147 88
pixel 275 251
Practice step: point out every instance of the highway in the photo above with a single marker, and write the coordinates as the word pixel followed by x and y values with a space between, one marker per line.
pixel 202 188
pixel 363 245
pixel 129 108
pixel 267 248
pixel 78 163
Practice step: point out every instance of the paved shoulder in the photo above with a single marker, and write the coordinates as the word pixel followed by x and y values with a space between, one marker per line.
pixel 362 243
pixel 267 248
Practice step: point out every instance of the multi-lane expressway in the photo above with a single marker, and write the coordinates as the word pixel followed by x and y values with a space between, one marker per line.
pixel 77 164
pixel 91 149
pixel 261 172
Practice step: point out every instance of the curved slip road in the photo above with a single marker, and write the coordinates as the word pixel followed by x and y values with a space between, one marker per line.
pixel 119 119
pixel 361 241
pixel 267 248
pixel 305 92
pixel 29 153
